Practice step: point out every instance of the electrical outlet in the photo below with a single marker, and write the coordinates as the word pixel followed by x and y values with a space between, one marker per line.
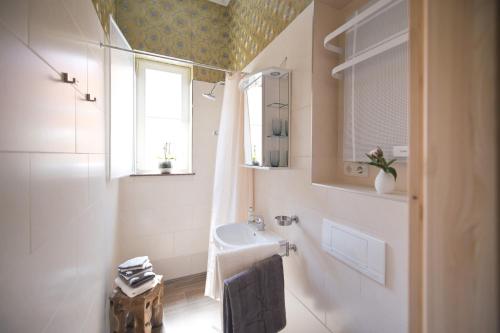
pixel 355 169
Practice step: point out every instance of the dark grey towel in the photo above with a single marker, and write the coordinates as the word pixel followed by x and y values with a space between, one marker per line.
pixel 254 300
pixel 138 280
pixel 131 274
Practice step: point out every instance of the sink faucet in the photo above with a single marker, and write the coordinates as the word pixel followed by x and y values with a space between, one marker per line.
pixel 258 221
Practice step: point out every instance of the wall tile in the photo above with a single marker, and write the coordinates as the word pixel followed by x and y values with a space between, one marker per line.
pixel 156 247
pixel 38 110
pixel 299 318
pixel 14 16
pixel 54 266
pixel 343 290
pixel 54 36
pixel 190 241
pixel 175 267
pixel 59 192
pixel 180 266
pixel 14 210
pixel 90 122
pixel 97 177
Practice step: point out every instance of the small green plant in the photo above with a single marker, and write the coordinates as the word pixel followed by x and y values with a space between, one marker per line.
pixel 168 157
pixel 377 159
pixel 167 152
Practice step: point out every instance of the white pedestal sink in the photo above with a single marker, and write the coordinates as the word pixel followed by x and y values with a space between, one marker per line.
pixel 238 235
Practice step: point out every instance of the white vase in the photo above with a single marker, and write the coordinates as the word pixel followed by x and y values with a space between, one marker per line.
pixel 384 182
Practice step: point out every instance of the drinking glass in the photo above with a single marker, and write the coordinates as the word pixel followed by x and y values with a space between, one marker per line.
pixel 276 125
pixel 274 157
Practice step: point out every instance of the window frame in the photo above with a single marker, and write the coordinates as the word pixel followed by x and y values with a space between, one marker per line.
pixel 141 64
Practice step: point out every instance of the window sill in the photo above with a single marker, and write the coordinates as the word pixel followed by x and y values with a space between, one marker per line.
pixel 158 173
pixel 364 190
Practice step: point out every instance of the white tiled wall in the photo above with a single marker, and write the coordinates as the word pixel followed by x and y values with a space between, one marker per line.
pixel 168 217
pixel 340 298
pixel 57 213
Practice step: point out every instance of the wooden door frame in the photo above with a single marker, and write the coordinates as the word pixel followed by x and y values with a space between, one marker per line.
pixel 453 206
pixel 415 163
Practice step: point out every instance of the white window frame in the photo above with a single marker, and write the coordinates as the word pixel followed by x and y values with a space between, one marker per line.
pixel 186 71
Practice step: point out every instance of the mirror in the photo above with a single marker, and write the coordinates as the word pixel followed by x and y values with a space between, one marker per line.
pixel 266 120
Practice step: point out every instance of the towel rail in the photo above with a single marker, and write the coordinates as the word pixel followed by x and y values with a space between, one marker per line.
pixel 288 247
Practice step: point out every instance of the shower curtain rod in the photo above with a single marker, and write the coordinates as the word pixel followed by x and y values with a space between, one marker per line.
pixel 155 55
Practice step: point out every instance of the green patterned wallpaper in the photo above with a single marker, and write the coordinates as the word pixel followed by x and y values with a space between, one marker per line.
pixel 104 8
pixel 191 29
pixel 199 30
pixel 255 23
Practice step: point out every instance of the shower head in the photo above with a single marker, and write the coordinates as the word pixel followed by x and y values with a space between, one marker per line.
pixel 210 95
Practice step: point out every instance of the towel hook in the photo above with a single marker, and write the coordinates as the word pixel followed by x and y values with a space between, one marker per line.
pixel 88 99
pixel 65 78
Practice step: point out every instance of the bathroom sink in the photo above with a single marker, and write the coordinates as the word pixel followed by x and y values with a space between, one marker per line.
pixel 238 235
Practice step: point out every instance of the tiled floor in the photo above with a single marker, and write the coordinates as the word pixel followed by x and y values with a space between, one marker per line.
pixel 187 310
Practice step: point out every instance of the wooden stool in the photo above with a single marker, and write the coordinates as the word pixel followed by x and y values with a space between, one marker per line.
pixel 145 311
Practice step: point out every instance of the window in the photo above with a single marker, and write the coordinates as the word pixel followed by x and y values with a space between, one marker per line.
pixel 163 115
pixel 376 89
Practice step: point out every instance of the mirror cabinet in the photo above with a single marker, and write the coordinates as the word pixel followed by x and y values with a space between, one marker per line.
pixel 267 118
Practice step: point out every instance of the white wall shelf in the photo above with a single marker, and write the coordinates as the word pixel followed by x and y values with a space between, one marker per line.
pixel 363 190
pixel 277 105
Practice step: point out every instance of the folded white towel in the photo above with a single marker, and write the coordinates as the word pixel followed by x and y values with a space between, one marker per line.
pixel 231 262
pixel 132 292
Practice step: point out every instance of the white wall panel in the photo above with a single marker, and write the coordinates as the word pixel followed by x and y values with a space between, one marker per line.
pixel 38 110
pixel 57 213
pixel 56 38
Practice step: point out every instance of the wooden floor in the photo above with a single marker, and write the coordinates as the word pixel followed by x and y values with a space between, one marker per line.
pixel 187 310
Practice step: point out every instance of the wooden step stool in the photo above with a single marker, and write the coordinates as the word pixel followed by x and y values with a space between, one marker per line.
pixel 144 311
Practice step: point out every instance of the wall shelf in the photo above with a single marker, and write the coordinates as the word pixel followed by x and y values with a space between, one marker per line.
pixel 277 105
pixel 364 190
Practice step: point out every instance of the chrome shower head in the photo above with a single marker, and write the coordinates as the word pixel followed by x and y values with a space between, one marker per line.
pixel 210 95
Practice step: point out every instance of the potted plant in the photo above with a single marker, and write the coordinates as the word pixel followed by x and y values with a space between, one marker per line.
pixel 386 178
pixel 165 165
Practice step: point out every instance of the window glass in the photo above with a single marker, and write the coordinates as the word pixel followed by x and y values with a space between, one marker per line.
pixel 163 116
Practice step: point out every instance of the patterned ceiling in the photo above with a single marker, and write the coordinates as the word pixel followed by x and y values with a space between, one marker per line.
pixel 202 31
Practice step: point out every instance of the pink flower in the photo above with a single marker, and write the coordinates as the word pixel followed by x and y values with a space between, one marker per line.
pixel 376 153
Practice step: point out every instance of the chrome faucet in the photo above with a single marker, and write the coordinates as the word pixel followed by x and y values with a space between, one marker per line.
pixel 258 221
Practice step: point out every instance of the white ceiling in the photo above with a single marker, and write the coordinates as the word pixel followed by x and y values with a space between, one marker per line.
pixel 221 2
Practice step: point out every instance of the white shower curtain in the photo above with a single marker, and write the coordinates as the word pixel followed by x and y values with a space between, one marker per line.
pixel 233 185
